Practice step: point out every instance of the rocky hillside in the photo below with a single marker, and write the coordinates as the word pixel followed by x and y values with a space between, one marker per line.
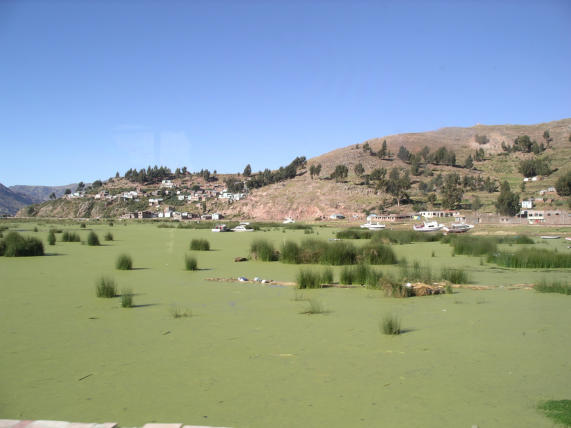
pixel 39 194
pixel 11 202
pixel 309 198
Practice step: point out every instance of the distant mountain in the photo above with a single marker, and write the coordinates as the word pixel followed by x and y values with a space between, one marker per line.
pixel 40 194
pixel 11 202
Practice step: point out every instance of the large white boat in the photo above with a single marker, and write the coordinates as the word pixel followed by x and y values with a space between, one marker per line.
pixel 288 220
pixel 242 228
pixel 220 228
pixel 373 226
pixel 458 228
pixel 431 226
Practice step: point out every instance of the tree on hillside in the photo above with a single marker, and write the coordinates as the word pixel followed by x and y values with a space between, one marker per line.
pixel 340 172
pixel 403 154
pixel 431 198
pixel 476 203
pixel 80 186
pixel 425 153
pixel 397 185
pixel 482 139
pixel 547 137
pixel 117 175
pixel 469 162
pixel 314 170
pixel 507 202
pixel 359 170
pixel 533 167
pixel 378 177
pixel 383 151
pixel 247 171
pixel 52 196
pixel 563 185
pixel 68 191
pixel 479 155
pixel 451 191
pixel 415 165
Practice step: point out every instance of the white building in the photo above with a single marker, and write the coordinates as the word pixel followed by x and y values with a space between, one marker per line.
pixel 527 204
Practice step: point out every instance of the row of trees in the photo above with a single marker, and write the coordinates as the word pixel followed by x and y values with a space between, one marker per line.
pixel 149 175
pixel 525 144
pixel 267 176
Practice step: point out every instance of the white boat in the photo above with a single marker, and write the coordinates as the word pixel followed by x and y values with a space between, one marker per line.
pixel 288 220
pixel 550 237
pixel 458 228
pixel 220 228
pixel 375 226
pixel 431 226
pixel 568 238
pixel 241 228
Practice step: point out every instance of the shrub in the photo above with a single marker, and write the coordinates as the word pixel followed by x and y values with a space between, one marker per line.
pixel 339 253
pixel 108 236
pixel 308 279
pixel 553 287
pixel 92 239
pixel 190 263
pixel 82 225
pixel 390 325
pixel 51 238
pixel 15 245
pixel 35 229
pixel 127 298
pixel 56 230
pixel 416 273
pixel 70 237
pixel 405 236
pixel 105 287
pixel 455 276
pixel 200 245
pixel 124 262
pixel 532 258
pixel 261 249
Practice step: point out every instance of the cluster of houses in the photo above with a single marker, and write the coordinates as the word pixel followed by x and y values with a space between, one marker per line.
pixel 170 213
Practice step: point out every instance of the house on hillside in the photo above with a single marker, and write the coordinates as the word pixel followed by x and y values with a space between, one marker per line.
pixel 217 216
pixel 336 216
pixel 527 204
pixel 439 214
pixel 168 184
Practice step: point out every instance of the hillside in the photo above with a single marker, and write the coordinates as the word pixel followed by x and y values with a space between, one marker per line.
pixel 11 202
pixel 304 197
pixel 42 193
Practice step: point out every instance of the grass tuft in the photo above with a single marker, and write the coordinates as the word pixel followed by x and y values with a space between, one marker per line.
pixel 51 238
pixel 553 287
pixel 177 311
pixel 127 298
pixel 390 325
pixel 314 307
pixel 16 245
pixel 190 263
pixel 93 239
pixel 124 262
pixel 455 276
pixel 105 287
pixel 70 237
pixel 200 245
pixel 262 249
pixel 532 258
pixel 108 236
pixel 557 410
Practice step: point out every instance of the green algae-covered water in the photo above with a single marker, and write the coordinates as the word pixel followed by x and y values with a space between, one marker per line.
pixel 248 358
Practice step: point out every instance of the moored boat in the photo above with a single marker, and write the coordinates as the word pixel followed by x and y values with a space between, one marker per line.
pixel 431 226
pixel 373 226
pixel 288 220
pixel 458 228
pixel 550 237
pixel 241 228
pixel 220 228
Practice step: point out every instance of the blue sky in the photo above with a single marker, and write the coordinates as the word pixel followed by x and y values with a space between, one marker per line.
pixel 91 88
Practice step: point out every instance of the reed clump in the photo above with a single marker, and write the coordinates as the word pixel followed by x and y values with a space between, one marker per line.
pixel 532 258
pixel 16 245
pixel 262 249
pixel 200 245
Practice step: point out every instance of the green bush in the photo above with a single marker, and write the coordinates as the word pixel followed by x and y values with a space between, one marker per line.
pixel 70 237
pixel 553 287
pixel 455 276
pixel 51 238
pixel 16 245
pixel 105 287
pixel 558 411
pixel 532 258
pixel 261 249
pixel 200 245
pixel 315 307
pixel 390 325
pixel 290 253
pixel 346 276
pixel 416 273
pixel 326 276
pixel 108 236
pixel 82 225
pixel 354 233
pixel 124 262
pixel 405 236
pixel 308 279
pixel 473 245
pixel 127 298
pixel 190 263
pixel 92 239
pixel 339 253
pixel 378 254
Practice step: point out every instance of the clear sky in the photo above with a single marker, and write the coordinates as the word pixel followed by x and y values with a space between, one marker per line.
pixel 91 88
